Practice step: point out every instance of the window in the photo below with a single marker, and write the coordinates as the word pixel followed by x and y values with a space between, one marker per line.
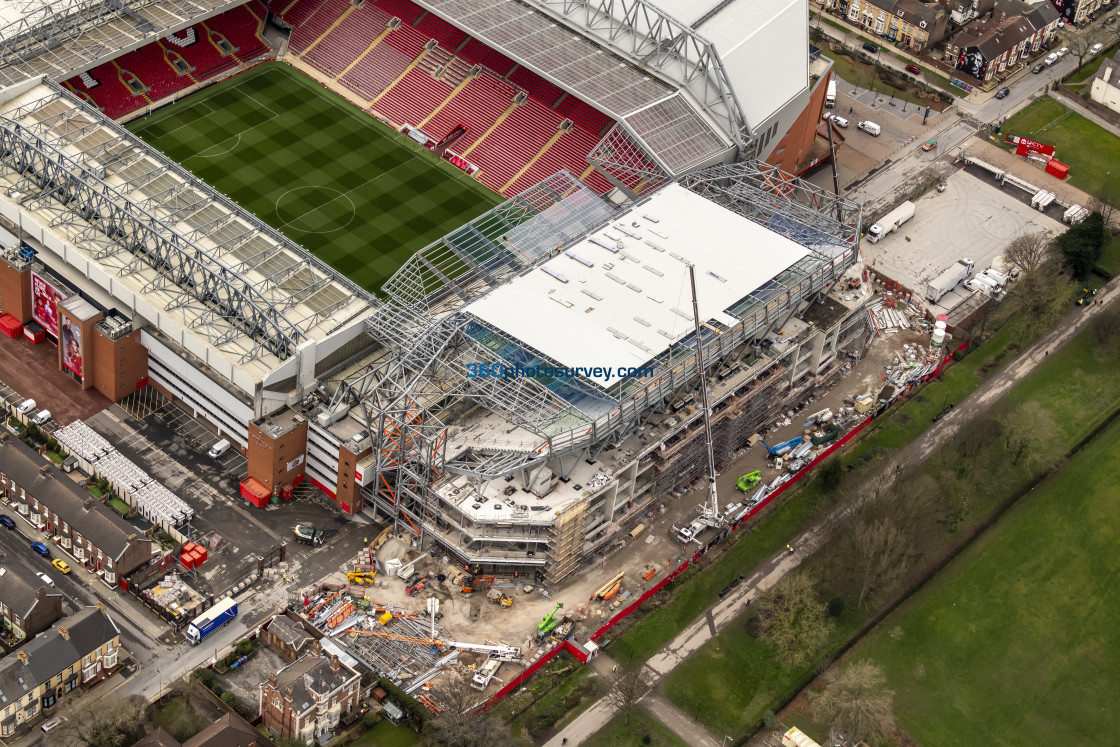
pixel 111 659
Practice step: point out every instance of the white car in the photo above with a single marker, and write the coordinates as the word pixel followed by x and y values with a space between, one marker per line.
pixel 44 578
pixel 839 121
pixel 1096 48
pixel 1062 51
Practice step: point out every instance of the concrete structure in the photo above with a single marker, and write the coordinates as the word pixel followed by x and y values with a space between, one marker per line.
pixel 1104 87
pixel 915 24
pixel 27 605
pixel 988 49
pixel 71 519
pixel 307 700
pixel 81 649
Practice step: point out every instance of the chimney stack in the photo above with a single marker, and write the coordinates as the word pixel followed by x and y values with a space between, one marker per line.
pixel 65 633
pixel 334 663
pixel 23 657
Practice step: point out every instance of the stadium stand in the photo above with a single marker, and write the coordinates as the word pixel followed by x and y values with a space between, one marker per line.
pixel 478 53
pixel 413 98
pixel 476 107
pixel 296 13
pixel 348 40
pixel 152 63
pixel 536 86
pixel 403 9
pixel 442 31
pixel 515 141
pixel 377 70
pixel 569 152
pixel 310 31
pixel 407 40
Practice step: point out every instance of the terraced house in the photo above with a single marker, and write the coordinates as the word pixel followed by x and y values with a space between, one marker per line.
pixel 914 24
pixel 27 605
pixel 94 536
pixel 82 649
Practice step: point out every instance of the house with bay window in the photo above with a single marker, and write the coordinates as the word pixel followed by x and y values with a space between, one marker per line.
pixel 27 605
pixel 79 650
pixel 307 700
pixel 914 24
pixel 71 519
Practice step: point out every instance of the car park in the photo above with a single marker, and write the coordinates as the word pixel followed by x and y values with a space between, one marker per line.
pixel 61 565
pixel 1038 68
pixel 218 449
pixel 914 69
pixel 44 578
pixel 7 521
pixel 869 47
pixel 1096 48
pixel 1003 92
pixel 26 406
pixel 40 548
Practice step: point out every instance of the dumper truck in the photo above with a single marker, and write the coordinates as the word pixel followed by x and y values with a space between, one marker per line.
pixel 891 221
pixel 948 280
pixel 308 535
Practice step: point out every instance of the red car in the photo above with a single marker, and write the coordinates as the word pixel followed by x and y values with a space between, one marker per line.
pixel 914 69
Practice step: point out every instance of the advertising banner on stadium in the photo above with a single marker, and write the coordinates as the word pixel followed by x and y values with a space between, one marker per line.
pixel 70 341
pixel 1026 144
pixel 44 299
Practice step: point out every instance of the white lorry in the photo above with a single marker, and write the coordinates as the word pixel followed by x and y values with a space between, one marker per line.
pixel 830 95
pixel 948 280
pixel 891 221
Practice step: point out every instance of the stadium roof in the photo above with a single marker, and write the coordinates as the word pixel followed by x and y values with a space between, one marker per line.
pixel 621 296
pixel 648 70
pixel 220 281
pixel 63 37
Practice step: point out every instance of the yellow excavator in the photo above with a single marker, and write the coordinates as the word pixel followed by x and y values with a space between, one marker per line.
pixel 362 578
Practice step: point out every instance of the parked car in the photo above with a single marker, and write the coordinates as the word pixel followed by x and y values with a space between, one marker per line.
pixel 40 548
pixel 870 128
pixel 44 578
pixel 871 48
pixel 43 417
pixel 1062 51
pixel 7 521
pixel 914 69
pixel 1038 68
pixel 1003 93
pixel 1096 48
pixel 1110 20
pixel 61 565
pixel 51 725
pixel 26 406
pixel 1051 58
pixel 839 121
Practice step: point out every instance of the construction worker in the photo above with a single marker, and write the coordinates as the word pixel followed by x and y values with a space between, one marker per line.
pixel 789 547
pixel 365 540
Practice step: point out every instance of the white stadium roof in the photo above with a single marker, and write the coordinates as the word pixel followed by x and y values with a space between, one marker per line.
pixel 598 305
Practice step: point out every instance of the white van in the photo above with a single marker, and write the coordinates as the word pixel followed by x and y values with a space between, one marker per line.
pixel 219 448
pixel 42 417
pixel 1051 58
pixel 870 128
pixel 26 406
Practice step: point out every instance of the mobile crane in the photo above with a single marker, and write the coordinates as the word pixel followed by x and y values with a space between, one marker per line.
pixel 505 653
pixel 550 621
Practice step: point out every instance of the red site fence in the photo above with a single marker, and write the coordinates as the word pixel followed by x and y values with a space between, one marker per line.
pixel 626 611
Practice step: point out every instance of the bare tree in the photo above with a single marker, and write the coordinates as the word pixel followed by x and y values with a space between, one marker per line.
pixel 855 701
pixel 796 621
pixel 626 687
pixel 1029 251
pixel 1079 46
pixel 1106 328
pixel 1030 433
pixel 1103 201
pixel 95 726
pixel 460 724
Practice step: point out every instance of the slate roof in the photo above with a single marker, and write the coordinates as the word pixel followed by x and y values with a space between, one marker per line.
pixel 994 41
pixel 311 674
pixel 21 594
pixel 51 653
pixel 158 738
pixel 228 731
pixel 98 524
pixel 289 632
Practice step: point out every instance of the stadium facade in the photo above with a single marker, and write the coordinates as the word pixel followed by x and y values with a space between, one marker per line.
pixel 143 274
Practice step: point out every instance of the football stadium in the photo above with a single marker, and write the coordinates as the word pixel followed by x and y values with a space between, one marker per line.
pixel 433 258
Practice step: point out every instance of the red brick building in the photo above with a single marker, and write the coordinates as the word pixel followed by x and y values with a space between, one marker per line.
pixel 307 700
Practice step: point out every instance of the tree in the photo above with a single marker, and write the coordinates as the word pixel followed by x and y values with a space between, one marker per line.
pixel 1028 252
pixel 1029 433
pixel 460 724
pixel 1082 244
pixel 855 701
pixel 97 726
pixel 1106 328
pixel 626 687
pixel 795 621
pixel 1079 47
pixel 1104 200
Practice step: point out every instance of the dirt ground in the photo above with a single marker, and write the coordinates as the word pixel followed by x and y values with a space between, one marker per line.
pixel 50 388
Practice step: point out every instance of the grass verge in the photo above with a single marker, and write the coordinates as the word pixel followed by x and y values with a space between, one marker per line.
pixel 641 729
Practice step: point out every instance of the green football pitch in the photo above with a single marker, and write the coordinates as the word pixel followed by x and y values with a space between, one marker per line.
pixel 320 170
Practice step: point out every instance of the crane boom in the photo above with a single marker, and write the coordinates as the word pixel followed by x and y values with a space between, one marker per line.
pixel 507 653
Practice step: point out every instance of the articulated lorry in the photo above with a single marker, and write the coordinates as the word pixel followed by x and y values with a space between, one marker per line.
pixel 210 620
pixel 891 221
pixel 948 280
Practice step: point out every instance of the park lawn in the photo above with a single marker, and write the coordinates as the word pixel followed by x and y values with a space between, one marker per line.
pixel 555 698
pixel 1091 152
pixel 618 733
pixel 386 734
pixel 1016 642
pixel 1109 261
pixel 326 174
pixel 735 675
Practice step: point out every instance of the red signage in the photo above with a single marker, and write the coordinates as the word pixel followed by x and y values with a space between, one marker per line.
pixel 460 163
pixel 1031 145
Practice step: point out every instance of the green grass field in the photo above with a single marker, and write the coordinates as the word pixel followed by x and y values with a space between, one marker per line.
pixel 1090 150
pixel 332 178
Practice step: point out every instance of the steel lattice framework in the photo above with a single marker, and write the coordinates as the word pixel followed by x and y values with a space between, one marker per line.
pixel 66 36
pixel 412 397
pixel 248 289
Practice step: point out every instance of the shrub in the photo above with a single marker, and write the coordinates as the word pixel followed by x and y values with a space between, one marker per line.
pixel 371 719
pixel 229 699
pixel 835 607
pixel 205 676
pixel 245 647
pixel 217 689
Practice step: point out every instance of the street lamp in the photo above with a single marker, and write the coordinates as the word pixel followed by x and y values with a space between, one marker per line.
pixel 724 740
